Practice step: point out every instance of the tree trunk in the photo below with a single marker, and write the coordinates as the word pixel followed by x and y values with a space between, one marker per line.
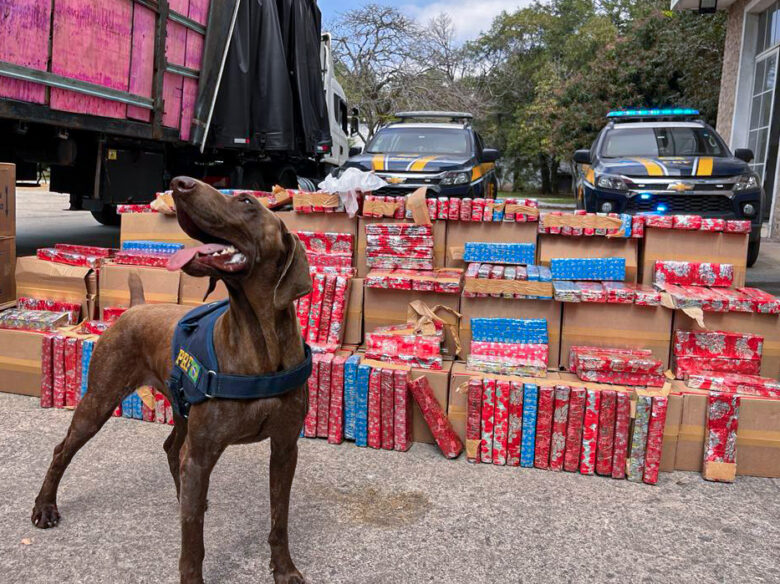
pixel 544 170
pixel 554 165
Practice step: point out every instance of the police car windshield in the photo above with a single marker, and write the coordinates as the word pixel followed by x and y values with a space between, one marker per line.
pixel 420 141
pixel 661 142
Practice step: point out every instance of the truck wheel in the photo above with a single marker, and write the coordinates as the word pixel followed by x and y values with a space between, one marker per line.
pixel 306 184
pixel 107 215
pixel 753 249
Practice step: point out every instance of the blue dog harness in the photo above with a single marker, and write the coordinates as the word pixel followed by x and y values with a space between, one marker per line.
pixel 195 376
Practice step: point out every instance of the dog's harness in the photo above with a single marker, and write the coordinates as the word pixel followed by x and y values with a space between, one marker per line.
pixel 195 376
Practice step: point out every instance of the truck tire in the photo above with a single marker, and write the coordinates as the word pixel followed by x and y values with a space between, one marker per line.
pixel 107 216
pixel 753 248
pixel 306 184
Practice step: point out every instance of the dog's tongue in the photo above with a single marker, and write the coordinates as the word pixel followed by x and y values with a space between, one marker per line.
pixel 184 256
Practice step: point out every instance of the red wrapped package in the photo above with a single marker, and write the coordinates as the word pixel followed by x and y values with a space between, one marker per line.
pixel 736 301
pixel 465 209
pixel 571 459
pixel 605 444
pixel 694 273
pixel 478 209
pixel 448 441
pixel 454 209
pixel 622 426
pixel 514 437
pixel 645 295
pixel 689 222
pixel 323 394
pixel 590 427
pixel 69 356
pixel 122 209
pixel 732 345
pixel 147 413
pixel 58 371
pixel 501 422
pixel 712 224
pixel 388 412
pixel 302 310
pixel 638 447
pixel 375 409
pixel 327 242
pixel 338 312
pixel 720 442
pixel 637 226
pixel 619 293
pixel 315 312
pixel 592 291
pixel 685 366
pixel 488 412
pixel 474 419
pixel 487 210
pixel 633 379
pixel 327 309
pixel 402 412
pixel 310 422
pixel 47 396
pixel 736 226
pixel 544 421
pixel 765 303
pixel 559 427
pixel 112 313
pixel 735 383
pixel 659 221
pixel 432 209
pixel 442 208
pixel 137 257
pixel 655 439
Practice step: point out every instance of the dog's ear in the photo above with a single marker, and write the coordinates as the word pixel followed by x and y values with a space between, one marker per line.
pixel 294 280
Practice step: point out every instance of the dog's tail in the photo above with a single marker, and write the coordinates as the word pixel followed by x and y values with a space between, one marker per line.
pixel 136 289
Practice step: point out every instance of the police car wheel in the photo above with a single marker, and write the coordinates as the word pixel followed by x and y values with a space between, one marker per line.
pixel 753 249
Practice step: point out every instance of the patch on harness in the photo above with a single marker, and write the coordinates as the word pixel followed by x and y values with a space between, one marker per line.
pixel 189 365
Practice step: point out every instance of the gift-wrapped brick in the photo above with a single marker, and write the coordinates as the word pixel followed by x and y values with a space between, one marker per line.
pixel 350 395
pixel 571 459
pixel 501 422
pixel 544 420
pixel 486 426
pixel 315 312
pixel 387 402
pixel 374 423
pixel 693 273
pixel 338 312
pixel 47 396
pixel 530 408
pixel 605 444
pixel 637 226
pixel 765 303
pixel 590 429
pixel 302 309
pixel 737 226
pixel 147 413
pixel 736 301
pixel 559 427
pixel 688 222
pixel 79 370
pixel 636 456
pixel 448 441
pixel 592 291
pixel 361 405
pixel 655 439
pixel 402 412
pixel 327 309
pixel 619 293
pixel 310 422
pixel 685 366
pixel 739 383
pixel 712 224
pixel 336 411
pixel 327 242
pixel 474 419
pixel 728 344
pixel 515 434
pixel 659 221
pixel 616 378
pixel 620 442
pixel 720 452
pixel 323 394
pixel 70 362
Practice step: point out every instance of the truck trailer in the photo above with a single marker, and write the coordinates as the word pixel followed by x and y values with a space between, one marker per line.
pixel 115 97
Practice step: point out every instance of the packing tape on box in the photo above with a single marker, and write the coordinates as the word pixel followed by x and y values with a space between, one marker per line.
pixel 417 204
pixel 761 438
pixel 124 296
pixel 384 208
pixel 304 199
pixel 521 287
pixel 587 332
pixel 373 363
pixel 146 395
pixel 524 209
pixel 17 364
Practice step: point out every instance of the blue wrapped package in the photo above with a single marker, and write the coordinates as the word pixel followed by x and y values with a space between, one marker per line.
pixel 499 253
pixel 361 405
pixel 127 406
pixel 509 330
pixel 86 357
pixel 604 269
pixel 152 246
pixel 350 383
pixel 528 443
pixel 138 413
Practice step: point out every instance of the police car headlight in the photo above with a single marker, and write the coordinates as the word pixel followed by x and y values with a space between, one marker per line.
pixel 612 183
pixel 746 182
pixel 456 178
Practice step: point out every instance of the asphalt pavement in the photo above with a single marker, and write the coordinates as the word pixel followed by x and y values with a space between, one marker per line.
pixel 363 516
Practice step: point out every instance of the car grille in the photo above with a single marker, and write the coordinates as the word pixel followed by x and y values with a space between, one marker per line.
pixel 394 191
pixel 697 204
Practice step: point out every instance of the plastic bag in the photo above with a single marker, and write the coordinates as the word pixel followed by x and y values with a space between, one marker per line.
pixel 351 182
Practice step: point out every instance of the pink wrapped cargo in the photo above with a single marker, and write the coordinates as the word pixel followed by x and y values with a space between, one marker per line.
pixel 139 78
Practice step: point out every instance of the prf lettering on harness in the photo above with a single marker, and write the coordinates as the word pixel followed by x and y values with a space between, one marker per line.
pixel 189 365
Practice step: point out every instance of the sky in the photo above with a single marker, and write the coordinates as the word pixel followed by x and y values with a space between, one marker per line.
pixel 469 16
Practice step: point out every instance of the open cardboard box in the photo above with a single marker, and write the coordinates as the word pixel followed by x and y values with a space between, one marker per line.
pixel 38 278
pixel 160 285
pixel 439 239
pixel 509 308
pixel 327 222
pixel 7 269
pixel 153 227
pixel 694 246
pixel 460 232
pixel 560 246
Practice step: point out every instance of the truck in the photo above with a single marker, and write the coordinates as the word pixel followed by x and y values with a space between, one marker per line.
pixel 116 97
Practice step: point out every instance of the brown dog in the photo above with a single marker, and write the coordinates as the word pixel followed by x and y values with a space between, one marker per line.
pixel 264 271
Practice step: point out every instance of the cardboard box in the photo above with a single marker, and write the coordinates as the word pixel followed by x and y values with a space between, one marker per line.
pixel 439 241
pixel 766 325
pixel 459 232
pixel 7 269
pixel 160 285
pixel 383 307
pixel 48 280
pixel 758 436
pixel 353 326
pixel 7 199
pixel 560 246
pixel 618 326
pixel 329 222
pixel 20 362
pixel 440 382
pixel 506 308
pixel 192 290
pixel 155 227
pixel 694 246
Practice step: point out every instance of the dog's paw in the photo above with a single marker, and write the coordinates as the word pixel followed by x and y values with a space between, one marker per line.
pixel 45 515
pixel 293 577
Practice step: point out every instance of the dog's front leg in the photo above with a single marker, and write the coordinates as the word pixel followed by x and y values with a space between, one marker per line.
pixel 198 458
pixel 284 457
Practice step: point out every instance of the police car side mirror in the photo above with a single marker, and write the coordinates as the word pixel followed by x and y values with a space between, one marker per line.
pixel 490 155
pixel 582 156
pixel 745 154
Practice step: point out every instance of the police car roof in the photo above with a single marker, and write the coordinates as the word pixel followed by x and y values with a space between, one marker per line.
pixel 447 126
pixel 634 125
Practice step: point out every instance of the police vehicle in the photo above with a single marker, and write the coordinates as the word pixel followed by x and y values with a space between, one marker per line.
pixel 437 150
pixel 668 161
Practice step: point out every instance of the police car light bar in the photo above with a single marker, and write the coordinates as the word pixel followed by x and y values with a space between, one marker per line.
pixel 653 113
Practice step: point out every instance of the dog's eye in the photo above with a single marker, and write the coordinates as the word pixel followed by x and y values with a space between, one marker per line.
pixel 246 200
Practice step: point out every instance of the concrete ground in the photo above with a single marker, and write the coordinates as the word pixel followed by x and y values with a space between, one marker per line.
pixel 362 516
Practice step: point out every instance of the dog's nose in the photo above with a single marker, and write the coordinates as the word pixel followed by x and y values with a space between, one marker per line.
pixel 183 184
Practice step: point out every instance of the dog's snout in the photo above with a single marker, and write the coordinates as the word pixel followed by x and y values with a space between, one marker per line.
pixel 183 184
